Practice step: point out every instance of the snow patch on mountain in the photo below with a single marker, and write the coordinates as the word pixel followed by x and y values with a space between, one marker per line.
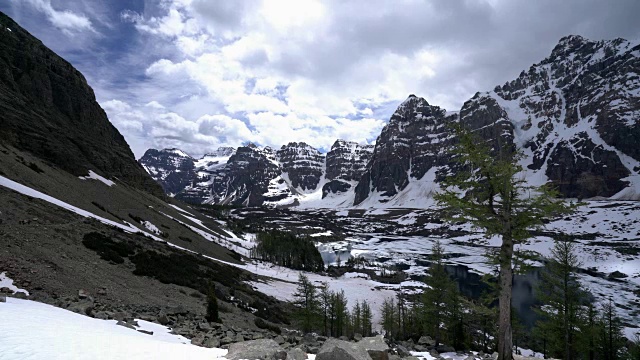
pixel 94 176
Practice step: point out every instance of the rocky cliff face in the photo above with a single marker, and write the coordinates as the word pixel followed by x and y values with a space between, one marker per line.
pixel 303 164
pixel 345 164
pixel 414 141
pixel 574 115
pixel 47 109
pixel 173 169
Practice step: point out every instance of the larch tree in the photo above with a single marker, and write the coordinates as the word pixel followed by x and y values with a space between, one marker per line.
pixel 489 191
pixel 306 299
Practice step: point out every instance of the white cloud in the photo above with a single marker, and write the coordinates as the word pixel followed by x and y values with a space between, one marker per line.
pixel 65 20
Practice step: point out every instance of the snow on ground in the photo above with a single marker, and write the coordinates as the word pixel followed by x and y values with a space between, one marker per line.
pixel 7 282
pixel 38 195
pixel 154 229
pixel 180 209
pixel 284 281
pixel 95 176
pixel 32 330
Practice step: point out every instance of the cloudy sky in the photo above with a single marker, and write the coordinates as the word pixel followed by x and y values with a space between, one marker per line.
pixel 199 74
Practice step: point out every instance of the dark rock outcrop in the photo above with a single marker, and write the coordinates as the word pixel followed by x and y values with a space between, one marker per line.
pixel 173 169
pixel 48 109
pixel 302 163
pixel 415 140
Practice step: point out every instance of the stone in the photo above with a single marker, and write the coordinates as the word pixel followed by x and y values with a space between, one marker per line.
pixel 402 351
pixel 444 349
pixel 426 340
pixel 296 354
pixel 102 291
pixel 212 343
pixel 122 323
pixel 163 319
pixel 20 295
pixel 3 299
pixel 376 347
pixel 145 332
pixel 263 349
pixel 226 340
pixel 279 339
pixel 176 310
pixel 334 349
pixel 357 337
pixel 83 294
pixel 84 307
pixel 120 316
pixel 239 338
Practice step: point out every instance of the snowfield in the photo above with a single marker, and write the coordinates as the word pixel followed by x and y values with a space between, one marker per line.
pixel 32 330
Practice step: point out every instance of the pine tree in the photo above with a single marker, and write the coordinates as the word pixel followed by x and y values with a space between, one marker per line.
pixel 611 339
pixel 357 318
pixel 436 297
pixel 560 293
pixel 367 319
pixel 490 192
pixel 306 299
pixel 212 305
pixel 325 306
pixel 388 314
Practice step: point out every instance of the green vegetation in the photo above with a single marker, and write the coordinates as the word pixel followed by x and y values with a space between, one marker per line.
pixel 489 191
pixel 288 250
pixel 108 249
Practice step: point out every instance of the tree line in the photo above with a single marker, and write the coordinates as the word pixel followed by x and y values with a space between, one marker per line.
pixel 327 312
pixel 286 249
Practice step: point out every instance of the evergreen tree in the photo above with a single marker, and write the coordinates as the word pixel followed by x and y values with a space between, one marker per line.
pixel 560 293
pixel 367 319
pixel 325 307
pixel 212 305
pixel 490 192
pixel 436 297
pixel 306 299
pixel 388 314
pixel 357 318
pixel 341 312
pixel 611 340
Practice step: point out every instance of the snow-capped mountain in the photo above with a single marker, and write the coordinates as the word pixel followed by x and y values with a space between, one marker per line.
pixel 574 115
pixel 172 168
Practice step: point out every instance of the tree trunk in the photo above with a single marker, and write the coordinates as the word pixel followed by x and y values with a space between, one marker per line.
pixel 505 340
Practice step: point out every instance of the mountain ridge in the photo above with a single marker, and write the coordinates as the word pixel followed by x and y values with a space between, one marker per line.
pixel 574 115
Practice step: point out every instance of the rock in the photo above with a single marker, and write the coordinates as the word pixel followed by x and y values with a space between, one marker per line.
pixel 176 310
pixel 84 307
pixel 101 315
pixel 376 347
pixel 279 339
pixel 163 319
pixel 357 337
pixel 212 343
pixel 102 291
pixel 226 340
pixel 3 299
pixel 198 340
pixel 394 357
pixel 296 354
pixel 334 349
pixel 239 338
pixel 444 349
pixel 145 332
pixel 494 355
pixel 122 323
pixel 470 357
pixel 204 326
pixel 263 349
pixel 20 295
pixel 426 340
pixel 120 316
pixel 402 351
pixel 344 338
pixel 83 294
pixel 5 290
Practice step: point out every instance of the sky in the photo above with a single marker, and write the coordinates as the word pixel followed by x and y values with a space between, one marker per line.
pixel 201 74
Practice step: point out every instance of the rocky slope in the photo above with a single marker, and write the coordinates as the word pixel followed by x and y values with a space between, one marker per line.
pixel 574 115
pixel 48 109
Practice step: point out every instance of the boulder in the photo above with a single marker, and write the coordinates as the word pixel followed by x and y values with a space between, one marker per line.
pixel 3 299
pixel 163 319
pixel 212 343
pixel 263 349
pixel 444 349
pixel 426 340
pixel 334 349
pixel 376 347
pixel 122 323
pixel 279 339
pixel 83 294
pixel 296 354
pixel 402 351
